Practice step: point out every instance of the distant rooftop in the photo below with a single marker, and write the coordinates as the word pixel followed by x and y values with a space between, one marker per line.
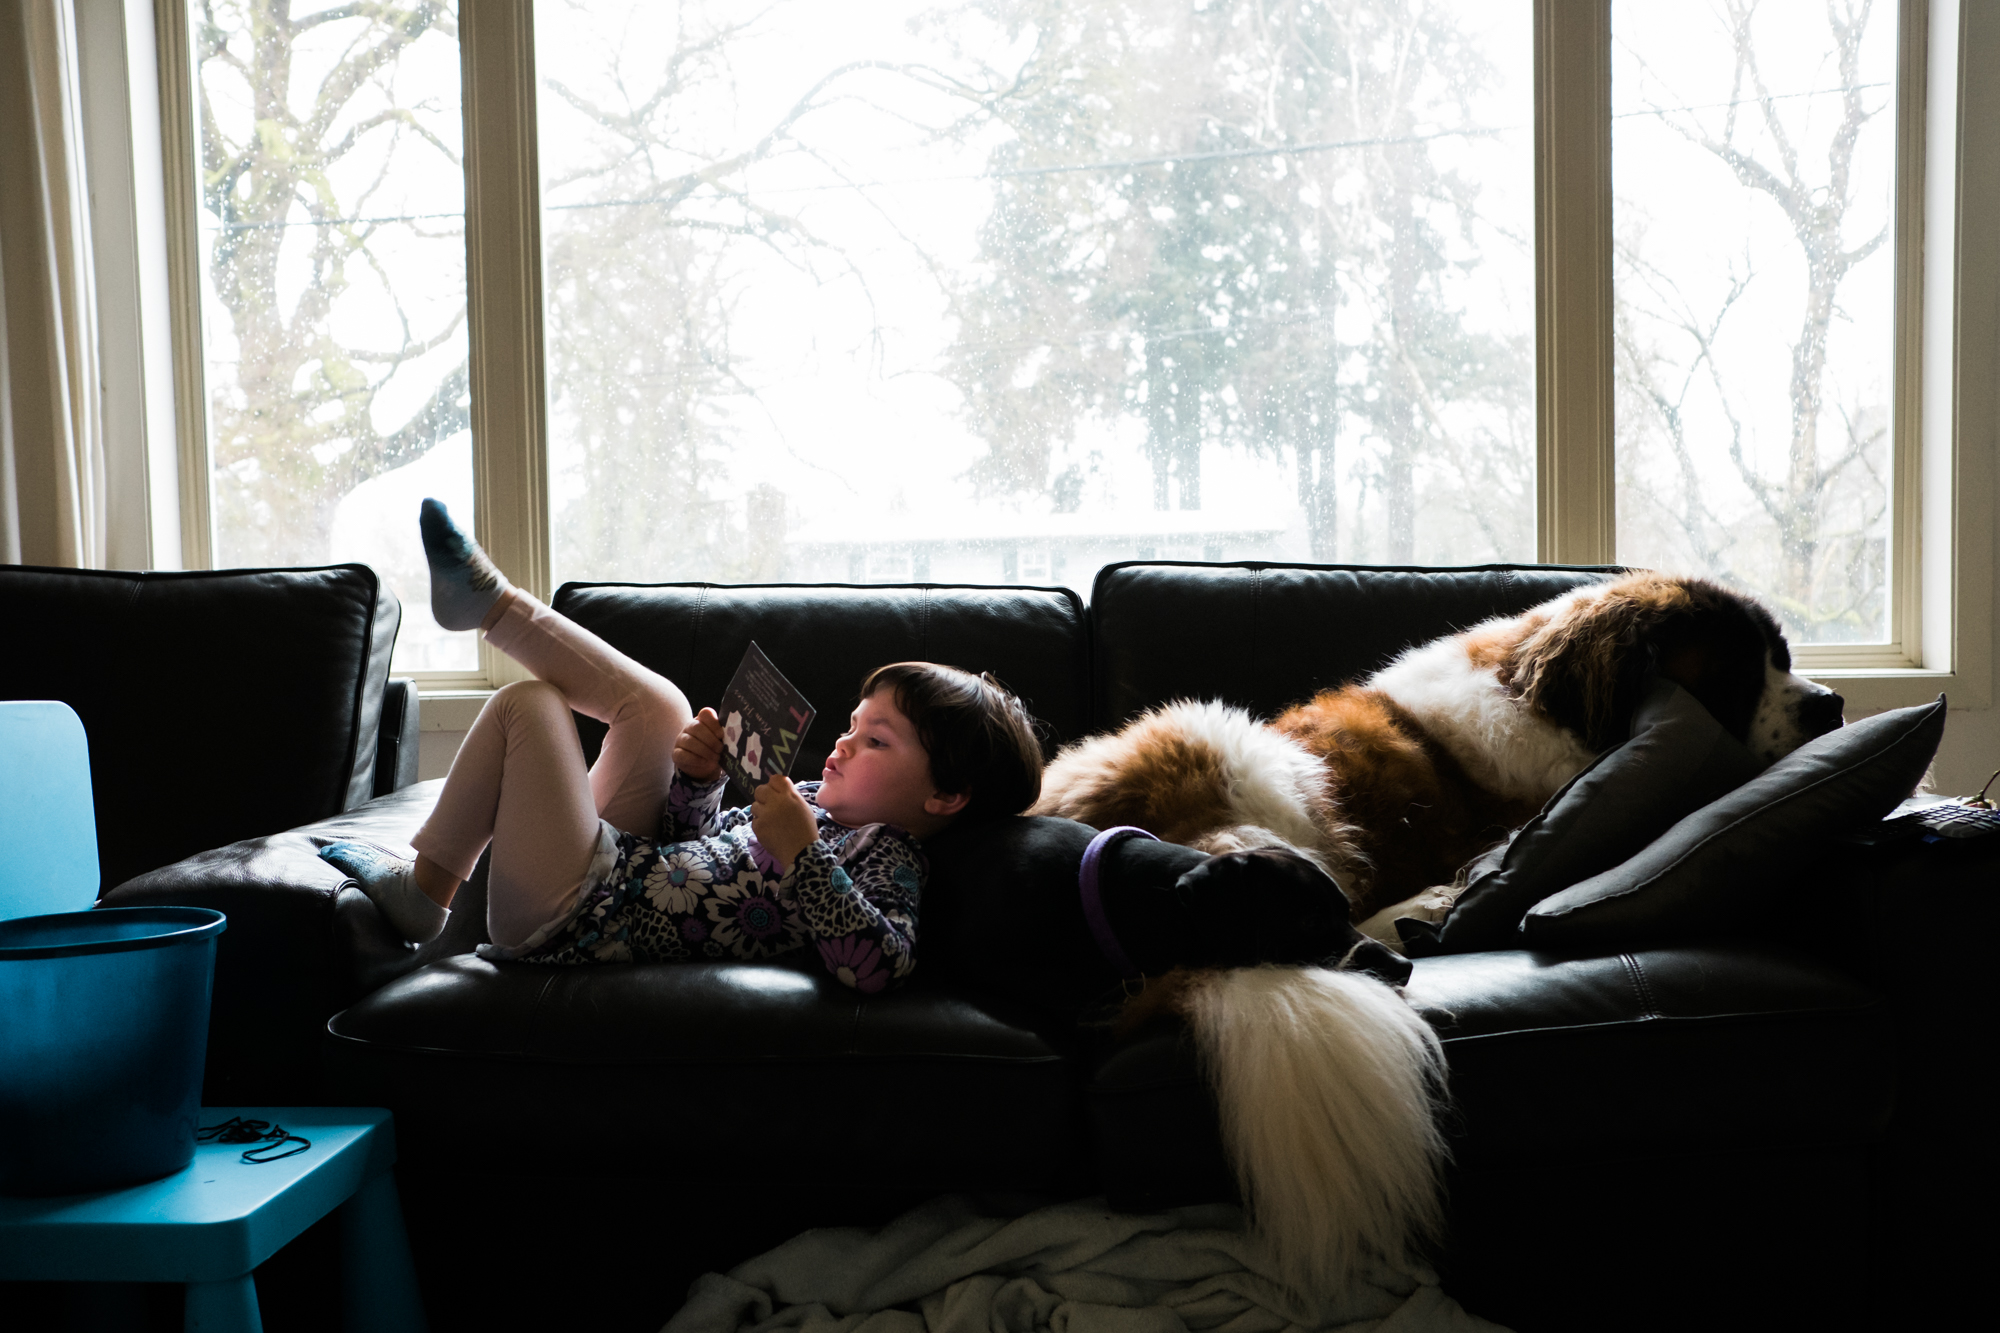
pixel 990 525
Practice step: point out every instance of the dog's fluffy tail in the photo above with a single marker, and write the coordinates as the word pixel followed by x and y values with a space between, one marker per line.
pixel 1328 1084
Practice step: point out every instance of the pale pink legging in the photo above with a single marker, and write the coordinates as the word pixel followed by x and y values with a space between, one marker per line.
pixel 519 781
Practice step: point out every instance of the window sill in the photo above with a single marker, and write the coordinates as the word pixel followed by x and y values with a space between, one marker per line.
pixel 1869 691
pixel 450 710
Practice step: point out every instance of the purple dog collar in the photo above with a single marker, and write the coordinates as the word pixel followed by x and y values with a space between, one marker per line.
pixel 1093 901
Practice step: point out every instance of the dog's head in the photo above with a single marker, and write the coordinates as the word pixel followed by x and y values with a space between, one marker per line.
pixel 1586 658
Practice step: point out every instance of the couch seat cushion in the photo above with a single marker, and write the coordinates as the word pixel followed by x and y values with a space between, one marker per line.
pixel 302 942
pixel 1671 1051
pixel 707 1071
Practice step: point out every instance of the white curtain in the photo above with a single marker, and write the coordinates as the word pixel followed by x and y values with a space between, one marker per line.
pixel 52 482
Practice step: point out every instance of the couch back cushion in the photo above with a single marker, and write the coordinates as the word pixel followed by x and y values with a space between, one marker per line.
pixel 827 638
pixel 220 705
pixel 1265 636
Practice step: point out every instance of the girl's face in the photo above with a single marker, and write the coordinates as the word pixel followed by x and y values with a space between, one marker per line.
pixel 879 773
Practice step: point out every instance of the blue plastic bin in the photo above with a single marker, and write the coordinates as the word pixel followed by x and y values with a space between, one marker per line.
pixel 103 1030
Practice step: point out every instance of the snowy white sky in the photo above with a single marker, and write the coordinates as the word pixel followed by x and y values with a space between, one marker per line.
pixel 853 416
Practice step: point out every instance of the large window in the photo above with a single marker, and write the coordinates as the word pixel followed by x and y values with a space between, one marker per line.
pixel 1754 150
pixel 1004 290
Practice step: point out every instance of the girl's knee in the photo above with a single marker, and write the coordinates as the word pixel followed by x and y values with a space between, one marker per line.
pixel 654 704
pixel 669 703
pixel 529 701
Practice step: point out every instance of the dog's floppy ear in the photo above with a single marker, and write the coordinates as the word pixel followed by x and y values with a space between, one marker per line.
pixel 1585 667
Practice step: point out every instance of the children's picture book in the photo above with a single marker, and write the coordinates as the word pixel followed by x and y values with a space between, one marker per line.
pixel 763 721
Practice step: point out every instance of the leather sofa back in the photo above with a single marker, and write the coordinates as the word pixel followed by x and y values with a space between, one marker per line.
pixel 1259 635
pixel 1265 636
pixel 826 638
pixel 220 705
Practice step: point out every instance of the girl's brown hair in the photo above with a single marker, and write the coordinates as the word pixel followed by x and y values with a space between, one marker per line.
pixel 980 738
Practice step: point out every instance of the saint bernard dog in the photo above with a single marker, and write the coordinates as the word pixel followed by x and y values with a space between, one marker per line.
pixel 1326 1082
pixel 1393 783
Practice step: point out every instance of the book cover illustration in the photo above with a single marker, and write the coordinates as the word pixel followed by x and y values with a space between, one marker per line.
pixel 763 721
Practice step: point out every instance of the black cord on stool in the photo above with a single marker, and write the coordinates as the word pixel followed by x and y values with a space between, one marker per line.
pixel 262 1132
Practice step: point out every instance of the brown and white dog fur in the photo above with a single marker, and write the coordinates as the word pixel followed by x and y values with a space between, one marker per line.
pixel 1391 785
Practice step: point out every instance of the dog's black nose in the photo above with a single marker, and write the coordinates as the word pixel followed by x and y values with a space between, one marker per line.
pixel 1821 713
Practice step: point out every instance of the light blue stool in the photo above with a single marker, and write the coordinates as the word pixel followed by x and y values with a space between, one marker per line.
pixel 210 1224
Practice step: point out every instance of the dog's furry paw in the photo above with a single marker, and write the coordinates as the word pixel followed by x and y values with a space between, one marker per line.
pixel 1432 905
pixel 1250 837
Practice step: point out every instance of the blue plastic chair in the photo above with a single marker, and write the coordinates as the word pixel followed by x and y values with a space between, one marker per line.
pixel 48 828
pixel 209 1224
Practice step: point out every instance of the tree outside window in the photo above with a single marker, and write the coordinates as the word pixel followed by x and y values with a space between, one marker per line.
pixel 867 292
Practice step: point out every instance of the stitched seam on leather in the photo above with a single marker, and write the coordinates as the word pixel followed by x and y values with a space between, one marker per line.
pixel 1256 602
pixel 1648 1008
pixel 1558 1030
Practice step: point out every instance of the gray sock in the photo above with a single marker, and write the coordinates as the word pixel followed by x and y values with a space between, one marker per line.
pixel 464 582
pixel 391 884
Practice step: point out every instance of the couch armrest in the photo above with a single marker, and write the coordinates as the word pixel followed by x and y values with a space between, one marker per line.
pixel 302 943
pixel 396 744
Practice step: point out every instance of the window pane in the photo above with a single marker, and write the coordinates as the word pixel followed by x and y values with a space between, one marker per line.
pixel 1004 290
pixel 333 289
pixel 1754 154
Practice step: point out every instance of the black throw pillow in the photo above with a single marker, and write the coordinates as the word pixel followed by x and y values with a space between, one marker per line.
pixel 1678 759
pixel 1704 874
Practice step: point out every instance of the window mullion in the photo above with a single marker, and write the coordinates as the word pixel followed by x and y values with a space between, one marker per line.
pixel 1906 573
pixel 504 297
pixel 1575 500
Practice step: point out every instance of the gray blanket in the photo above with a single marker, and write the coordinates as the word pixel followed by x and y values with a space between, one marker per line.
pixel 1071 1268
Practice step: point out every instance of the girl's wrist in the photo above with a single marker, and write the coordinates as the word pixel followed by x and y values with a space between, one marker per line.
pixel 770 857
pixel 797 859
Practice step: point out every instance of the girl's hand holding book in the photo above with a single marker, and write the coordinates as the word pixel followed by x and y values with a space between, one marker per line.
pixel 698 751
pixel 782 820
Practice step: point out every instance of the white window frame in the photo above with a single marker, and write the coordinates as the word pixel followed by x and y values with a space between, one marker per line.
pixel 1947 277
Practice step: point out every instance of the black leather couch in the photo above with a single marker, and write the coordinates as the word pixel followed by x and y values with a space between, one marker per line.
pixel 219 704
pixel 1703 1136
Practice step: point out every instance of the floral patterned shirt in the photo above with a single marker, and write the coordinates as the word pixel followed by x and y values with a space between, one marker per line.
pixel 706 888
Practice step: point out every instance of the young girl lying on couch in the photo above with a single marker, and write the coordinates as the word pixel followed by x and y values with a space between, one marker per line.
pixel 632 859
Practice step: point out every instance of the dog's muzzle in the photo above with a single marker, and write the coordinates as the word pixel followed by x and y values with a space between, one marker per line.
pixel 1820 713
